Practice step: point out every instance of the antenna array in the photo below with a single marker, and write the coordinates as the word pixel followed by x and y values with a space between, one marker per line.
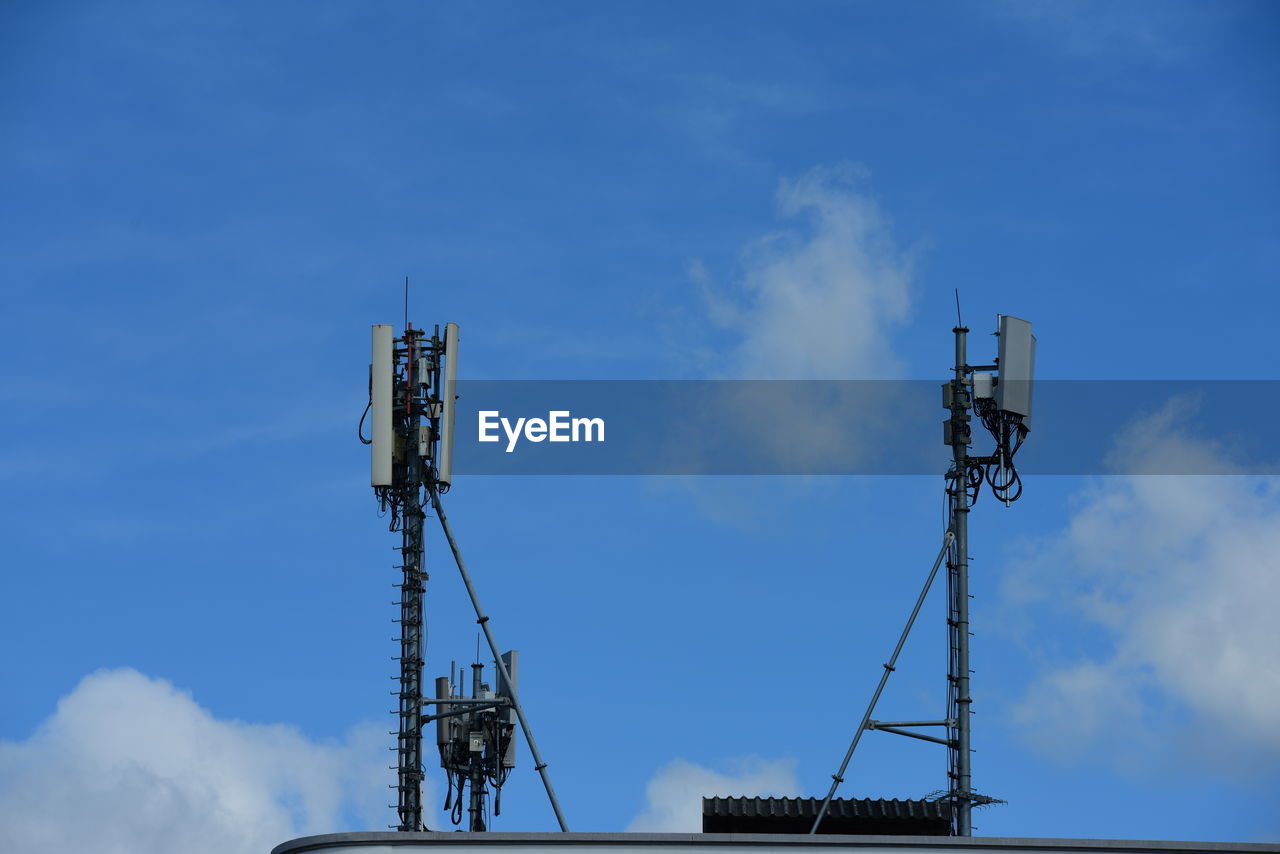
pixel 412 393
pixel 476 738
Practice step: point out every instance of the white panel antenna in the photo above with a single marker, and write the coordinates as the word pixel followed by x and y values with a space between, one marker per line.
pixel 448 394
pixel 382 444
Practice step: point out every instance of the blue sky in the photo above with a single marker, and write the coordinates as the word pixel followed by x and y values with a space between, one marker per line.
pixel 206 205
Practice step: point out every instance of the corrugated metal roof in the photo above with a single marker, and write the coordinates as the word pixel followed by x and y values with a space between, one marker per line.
pixel 844 815
pixel 841 807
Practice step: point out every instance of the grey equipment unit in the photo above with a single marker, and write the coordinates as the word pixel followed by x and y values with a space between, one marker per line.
pixel 1002 403
pixel 476 736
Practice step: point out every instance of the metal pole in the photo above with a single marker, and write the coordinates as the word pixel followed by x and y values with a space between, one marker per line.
pixel 476 809
pixel 412 588
pixel 497 659
pixel 961 783
pixel 838 777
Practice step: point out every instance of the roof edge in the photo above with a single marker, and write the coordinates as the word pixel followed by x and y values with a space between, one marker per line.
pixel 1136 846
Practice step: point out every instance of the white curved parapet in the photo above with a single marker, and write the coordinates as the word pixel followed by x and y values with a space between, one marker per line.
pixel 733 843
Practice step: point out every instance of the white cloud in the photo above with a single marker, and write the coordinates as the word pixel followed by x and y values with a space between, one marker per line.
pixel 131 764
pixel 675 793
pixel 1177 579
pixel 819 301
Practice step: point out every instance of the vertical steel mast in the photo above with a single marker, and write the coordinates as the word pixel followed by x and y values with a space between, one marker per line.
pixel 958 699
pixel 1002 403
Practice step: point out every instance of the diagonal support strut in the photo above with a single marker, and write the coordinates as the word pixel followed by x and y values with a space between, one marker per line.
pixel 864 725
pixel 497 657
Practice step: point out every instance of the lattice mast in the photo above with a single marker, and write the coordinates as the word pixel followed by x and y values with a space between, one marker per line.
pixel 412 390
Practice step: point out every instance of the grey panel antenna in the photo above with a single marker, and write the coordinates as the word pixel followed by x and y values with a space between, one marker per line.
pixel 508 715
pixel 1017 364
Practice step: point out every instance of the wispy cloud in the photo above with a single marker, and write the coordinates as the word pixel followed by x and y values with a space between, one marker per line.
pixel 820 299
pixel 675 793
pixel 133 765
pixel 1165 31
pixel 1171 583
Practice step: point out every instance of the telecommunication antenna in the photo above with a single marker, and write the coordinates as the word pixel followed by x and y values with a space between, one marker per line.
pixel 476 739
pixel 999 396
pixel 412 394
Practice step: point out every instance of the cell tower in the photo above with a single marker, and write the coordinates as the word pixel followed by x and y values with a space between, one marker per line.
pixel 999 396
pixel 412 394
